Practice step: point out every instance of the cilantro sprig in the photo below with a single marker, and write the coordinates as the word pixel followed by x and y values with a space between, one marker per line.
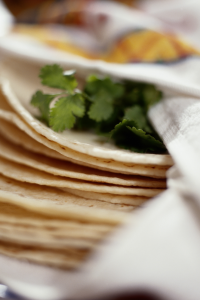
pixel 103 93
pixel 69 104
pixel 117 110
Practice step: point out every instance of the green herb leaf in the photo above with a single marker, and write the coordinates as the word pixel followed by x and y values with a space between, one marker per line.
pixel 105 127
pixel 106 103
pixel 103 93
pixel 53 76
pixel 137 114
pixel 121 135
pixel 62 115
pixel 121 126
pixel 42 102
pixel 127 136
pixel 85 123
pixel 102 106
pixel 151 96
pixel 146 141
pixel 95 84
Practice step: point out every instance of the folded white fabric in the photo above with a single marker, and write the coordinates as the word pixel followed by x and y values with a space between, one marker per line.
pixel 159 250
pixel 177 120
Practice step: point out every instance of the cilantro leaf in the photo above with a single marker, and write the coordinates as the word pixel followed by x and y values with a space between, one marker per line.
pixel 62 115
pixel 102 106
pixel 53 76
pixel 151 96
pixel 137 114
pixel 146 141
pixel 127 136
pixel 105 127
pixel 133 92
pixel 95 84
pixel 134 96
pixel 121 135
pixel 42 102
pixel 85 123
pixel 103 93
pixel 121 126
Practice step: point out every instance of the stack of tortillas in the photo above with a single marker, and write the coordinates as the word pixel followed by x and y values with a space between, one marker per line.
pixel 61 194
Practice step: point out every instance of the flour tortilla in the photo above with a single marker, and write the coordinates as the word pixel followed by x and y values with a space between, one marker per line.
pixel 128 200
pixel 66 169
pixel 30 175
pixel 4 103
pixel 66 259
pixel 57 234
pixel 41 238
pixel 54 238
pixel 49 233
pixel 54 202
pixel 62 229
pixel 18 137
pixel 20 81
pixel 82 159
pixel 19 216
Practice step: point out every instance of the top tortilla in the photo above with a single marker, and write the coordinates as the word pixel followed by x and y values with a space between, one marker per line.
pixel 19 155
pixel 84 159
pixel 19 83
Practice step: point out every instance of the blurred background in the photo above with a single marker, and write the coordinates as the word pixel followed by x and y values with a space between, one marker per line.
pixel 114 31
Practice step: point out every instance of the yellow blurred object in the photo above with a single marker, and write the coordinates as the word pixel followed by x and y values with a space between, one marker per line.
pixel 148 46
pixel 44 34
pixel 138 46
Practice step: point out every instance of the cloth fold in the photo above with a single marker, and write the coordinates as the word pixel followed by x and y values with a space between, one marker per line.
pixel 158 251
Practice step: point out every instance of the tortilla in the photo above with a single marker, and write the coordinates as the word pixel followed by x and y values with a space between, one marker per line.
pixel 58 233
pixel 66 235
pixel 74 235
pixel 52 201
pixel 14 213
pixel 66 169
pixel 66 259
pixel 25 236
pixel 82 159
pixel 17 75
pixel 19 216
pixel 49 236
pixel 127 200
pixel 18 137
pixel 4 103
pixel 30 175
